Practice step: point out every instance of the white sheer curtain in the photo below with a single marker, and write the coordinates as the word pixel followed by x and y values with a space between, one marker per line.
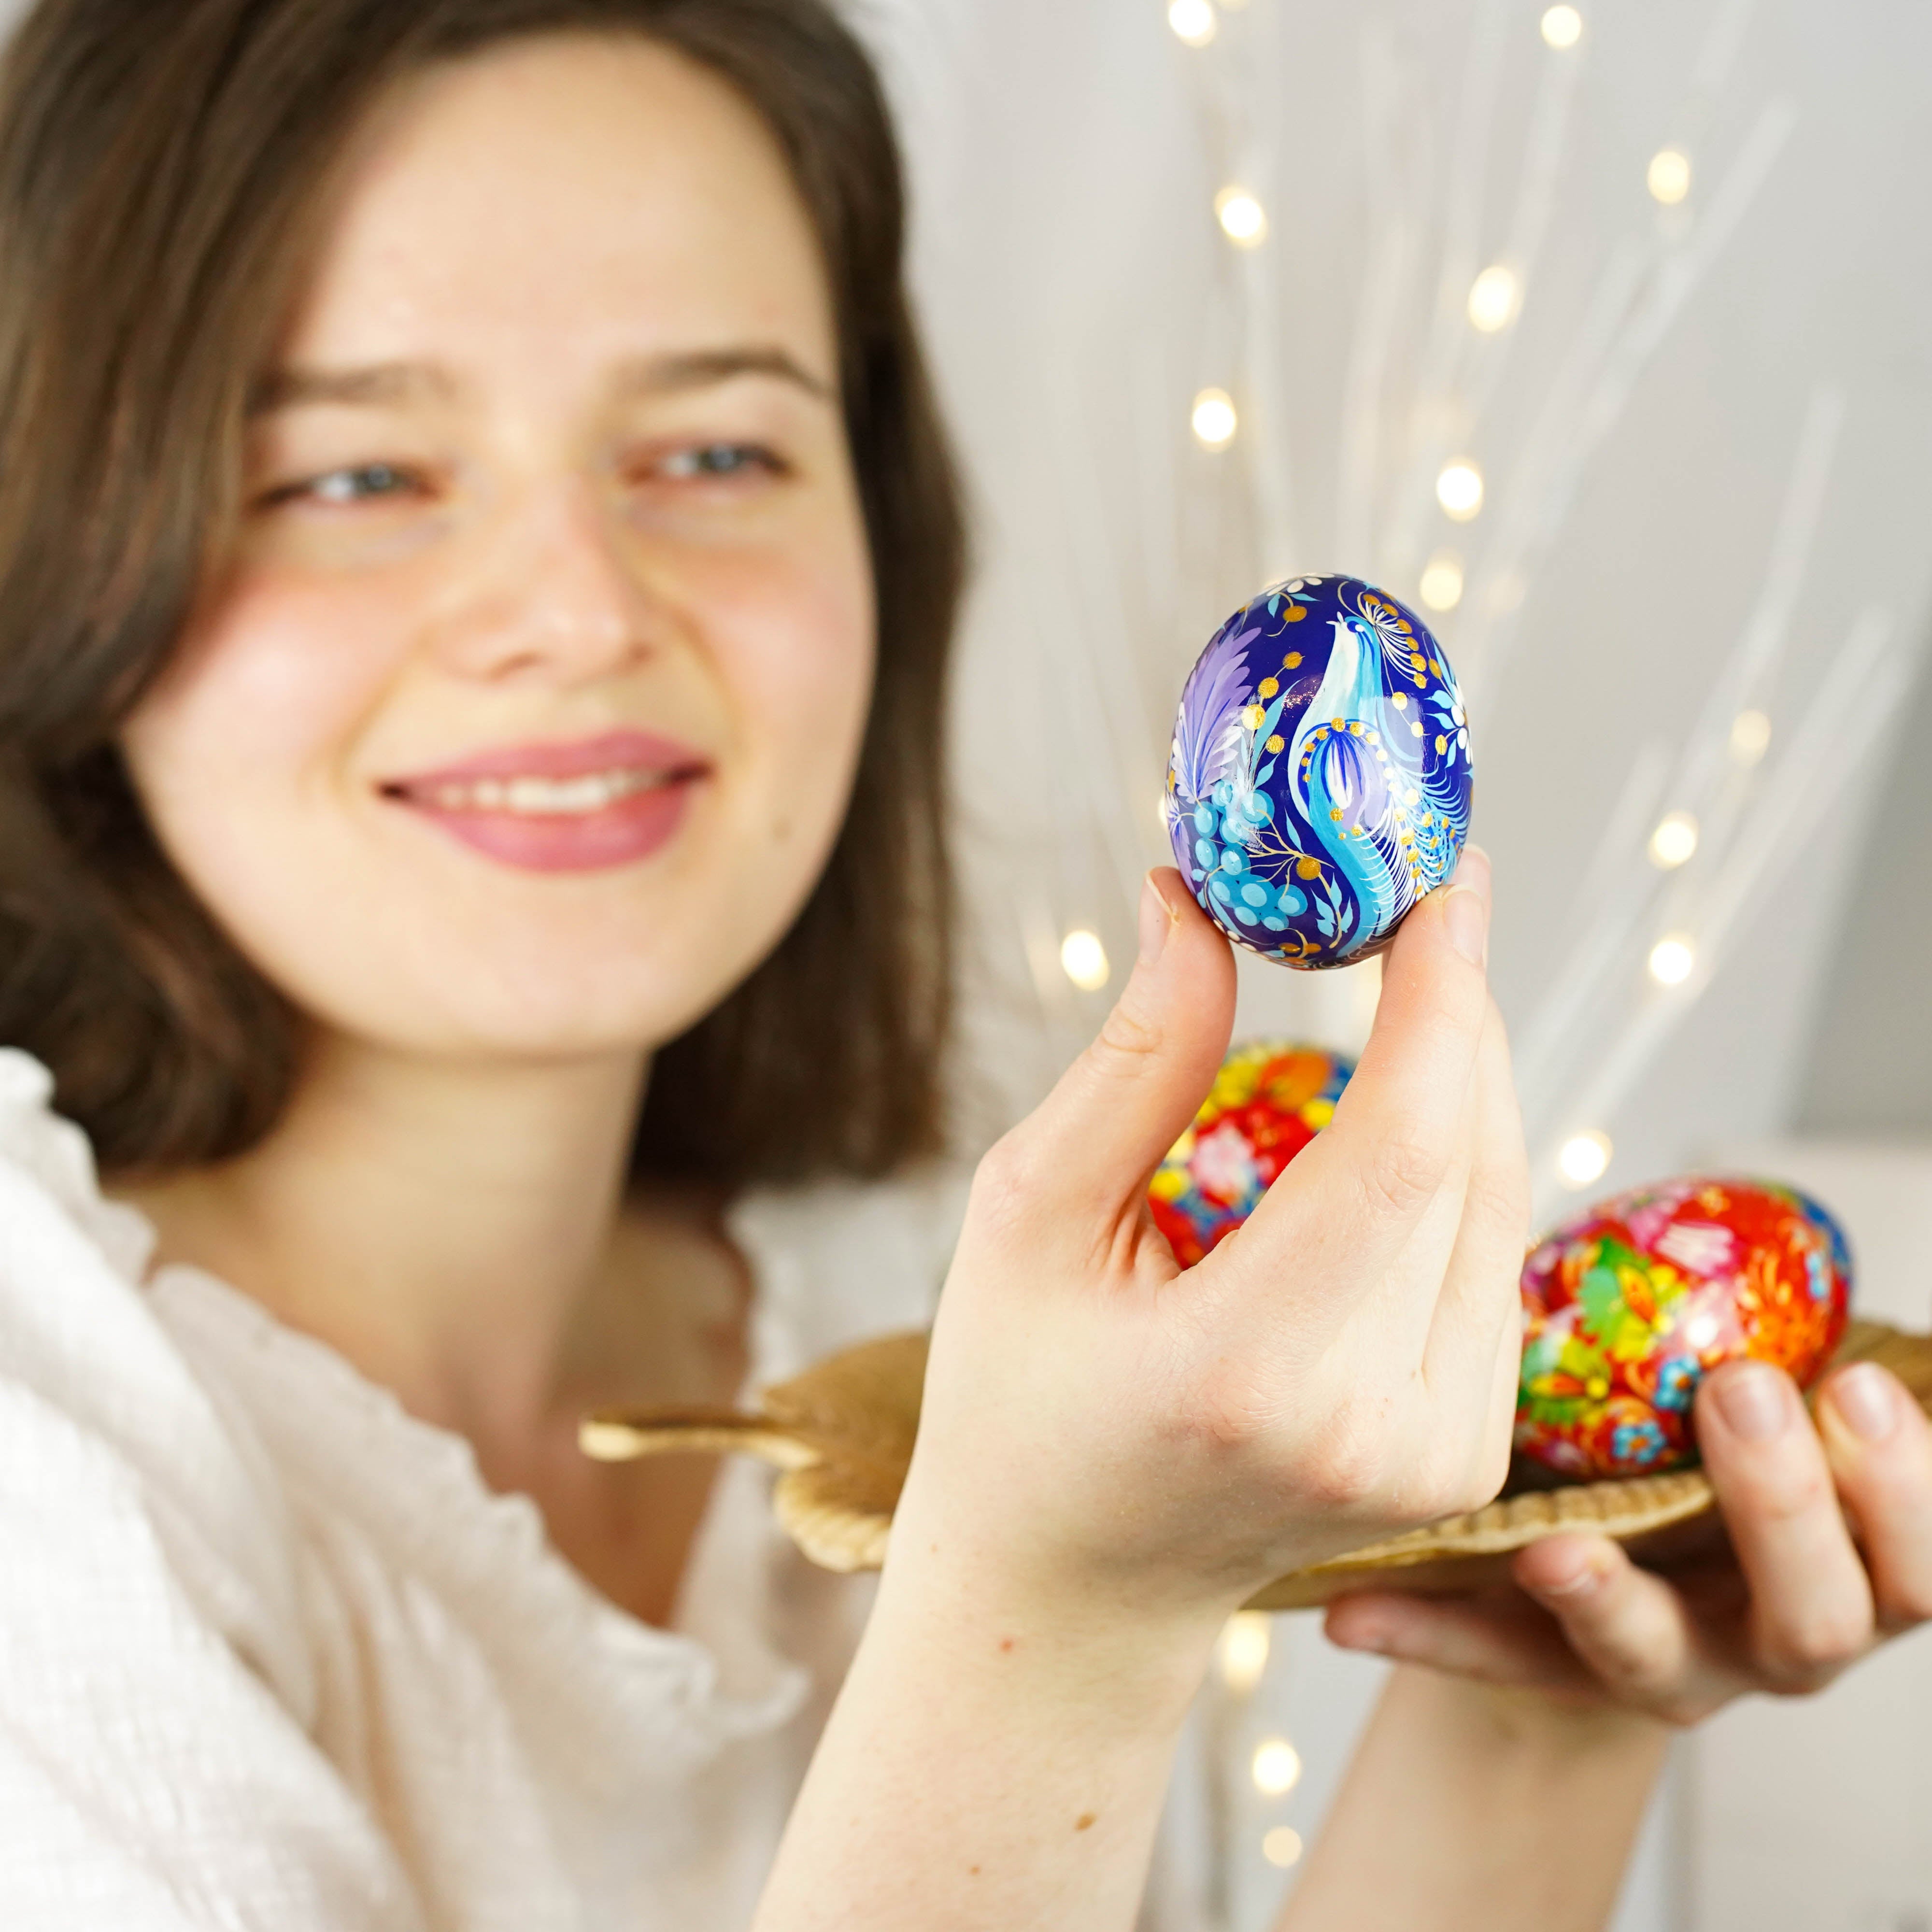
pixel 1705 418
pixel 1702 439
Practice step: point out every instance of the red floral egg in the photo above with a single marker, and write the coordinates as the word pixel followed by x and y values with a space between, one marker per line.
pixel 1269 1100
pixel 1626 1308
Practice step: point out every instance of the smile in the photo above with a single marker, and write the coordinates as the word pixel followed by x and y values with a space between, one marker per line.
pixel 548 797
pixel 582 806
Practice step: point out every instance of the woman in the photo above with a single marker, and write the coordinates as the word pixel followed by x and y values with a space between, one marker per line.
pixel 477 558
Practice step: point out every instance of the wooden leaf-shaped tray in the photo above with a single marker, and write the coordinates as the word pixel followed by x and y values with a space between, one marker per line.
pixel 842 1433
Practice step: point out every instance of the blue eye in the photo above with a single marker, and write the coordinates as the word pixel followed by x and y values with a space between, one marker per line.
pixel 718 459
pixel 357 485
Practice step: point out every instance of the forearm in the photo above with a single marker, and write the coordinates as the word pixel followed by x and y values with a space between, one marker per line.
pixel 1467 1806
pixel 985 1769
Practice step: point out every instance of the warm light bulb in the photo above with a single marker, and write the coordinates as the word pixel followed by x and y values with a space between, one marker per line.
pixel 1562 27
pixel 1214 418
pixel 1459 490
pixel 1584 1159
pixel 1671 961
pixel 1192 20
pixel 1277 1766
pixel 1493 296
pixel 1084 959
pixel 1669 176
pixel 1244 1650
pixel 1243 220
pixel 1281 1845
pixel 1674 841
pixel 1441 587
pixel 1750 736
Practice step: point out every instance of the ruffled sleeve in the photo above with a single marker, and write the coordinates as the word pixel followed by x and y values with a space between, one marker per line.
pixel 155 1772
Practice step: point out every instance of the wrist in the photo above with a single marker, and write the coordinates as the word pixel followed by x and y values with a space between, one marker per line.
pixel 1484 1780
pixel 998 1755
pixel 1530 1724
pixel 1022 1624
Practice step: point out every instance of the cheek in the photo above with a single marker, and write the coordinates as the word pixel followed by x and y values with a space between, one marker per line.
pixel 256 712
pixel 798 651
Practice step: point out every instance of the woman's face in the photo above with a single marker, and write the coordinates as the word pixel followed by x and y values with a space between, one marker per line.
pixel 527 719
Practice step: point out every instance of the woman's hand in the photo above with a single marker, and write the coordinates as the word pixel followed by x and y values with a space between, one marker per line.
pixel 1101 1429
pixel 1112 1454
pixel 1831 1552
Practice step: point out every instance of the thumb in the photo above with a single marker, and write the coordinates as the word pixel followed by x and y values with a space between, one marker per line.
pixel 1401 1126
pixel 1095 1139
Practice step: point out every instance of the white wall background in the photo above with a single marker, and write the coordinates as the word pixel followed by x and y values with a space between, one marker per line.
pixel 1078 292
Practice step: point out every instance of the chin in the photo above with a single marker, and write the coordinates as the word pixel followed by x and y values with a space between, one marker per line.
pixel 565 1020
pixel 565 989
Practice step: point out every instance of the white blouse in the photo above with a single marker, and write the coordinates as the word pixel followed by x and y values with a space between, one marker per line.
pixel 272 1656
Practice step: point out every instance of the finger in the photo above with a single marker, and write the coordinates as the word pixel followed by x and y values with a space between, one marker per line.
pixel 1476 1322
pixel 1399 1128
pixel 1811 1602
pixel 1879 1445
pixel 1090 1146
pixel 1502 1640
pixel 1630 1629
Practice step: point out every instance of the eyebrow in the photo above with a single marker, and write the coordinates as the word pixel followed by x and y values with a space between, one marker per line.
pixel 702 368
pixel 386 384
pixel 381 383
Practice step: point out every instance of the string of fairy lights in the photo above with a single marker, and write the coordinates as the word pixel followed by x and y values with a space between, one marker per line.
pixel 1669 867
pixel 1700 828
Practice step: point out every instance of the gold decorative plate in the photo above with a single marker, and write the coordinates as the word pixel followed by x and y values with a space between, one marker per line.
pixel 842 1435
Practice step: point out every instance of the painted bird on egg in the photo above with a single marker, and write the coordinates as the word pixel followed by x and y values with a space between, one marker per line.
pixel 1320 782
pixel 1269 1100
pixel 1626 1308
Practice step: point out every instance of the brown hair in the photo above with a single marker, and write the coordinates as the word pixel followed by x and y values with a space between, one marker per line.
pixel 160 163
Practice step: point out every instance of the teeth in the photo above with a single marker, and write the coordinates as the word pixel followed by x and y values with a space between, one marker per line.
pixel 546 798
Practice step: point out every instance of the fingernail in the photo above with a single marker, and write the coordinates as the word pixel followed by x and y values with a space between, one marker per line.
pixel 1467 920
pixel 1580 1583
pixel 1755 1402
pixel 1467 911
pixel 1474 871
pixel 1863 1396
pixel 1372 1636
pixel 1157 922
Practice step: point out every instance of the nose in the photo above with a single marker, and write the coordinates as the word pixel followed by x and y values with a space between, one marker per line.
pixel 543 593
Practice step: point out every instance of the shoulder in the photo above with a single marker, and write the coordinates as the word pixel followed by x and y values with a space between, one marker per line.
pixel 102 1414
pixel 47 1166
pixel 839 1261
pixel 155 1762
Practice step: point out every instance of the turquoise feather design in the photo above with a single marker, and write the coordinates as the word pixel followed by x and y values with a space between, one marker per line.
pixel 1312 805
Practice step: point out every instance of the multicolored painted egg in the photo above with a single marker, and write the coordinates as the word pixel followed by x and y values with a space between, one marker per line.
pixel 1625 1308
pixel 1320 782
pixel 1270 1100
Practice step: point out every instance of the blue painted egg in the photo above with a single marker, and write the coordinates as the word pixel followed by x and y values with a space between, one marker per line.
pixel 1320 781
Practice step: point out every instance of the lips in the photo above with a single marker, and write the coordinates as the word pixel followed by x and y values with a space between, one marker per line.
pixel 581 806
